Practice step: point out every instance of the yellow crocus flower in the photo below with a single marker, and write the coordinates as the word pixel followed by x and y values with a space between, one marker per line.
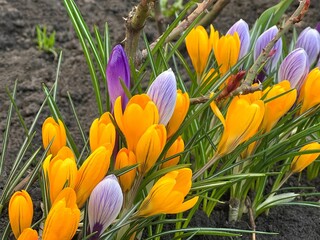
pixel 53 131
pixel 278 106
pixel 140 113
pixel 300 162
pixel 310 91
pixel 28 234
pixel 199 48
pixel 102 132
pixel 179 113
pixel 168 194
pixel 20 212
pixel 63 218
pixel 91 172
pixel 126 158
pixel 176 148
pixel 150 146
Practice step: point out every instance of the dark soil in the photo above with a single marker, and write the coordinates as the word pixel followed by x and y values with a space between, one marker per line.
pixel 21 60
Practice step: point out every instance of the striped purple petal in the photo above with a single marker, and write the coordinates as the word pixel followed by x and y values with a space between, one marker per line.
pixel 163 92
pixel 242 28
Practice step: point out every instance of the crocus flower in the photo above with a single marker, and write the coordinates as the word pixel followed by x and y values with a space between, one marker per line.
pixel 241 123
pixel 262 42
pixel 104 205
pixel 199 48
pixel 140 113
pixel 294 68
pixel 150 146
pixel 300 162
pixel 168 194
pixel 282 100
pixel 63 218
pixel 118 68
pixel 126 158
pixel 92 171
pixel 102 132
pixel 310 91
pixel 309 40
pixel 176 148
pixel 28 234
pixel 242 28
pixel 20 212
pixel 180 111
pixel 55 132
pixel 163 92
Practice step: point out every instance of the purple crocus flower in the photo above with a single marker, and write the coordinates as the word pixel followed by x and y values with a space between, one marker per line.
pixel 262 42
pixel 242 28
pixel 309 40
pixel 104 205
pixel 294 68
pixel 318 27
pixel 118 68
pixel 163 92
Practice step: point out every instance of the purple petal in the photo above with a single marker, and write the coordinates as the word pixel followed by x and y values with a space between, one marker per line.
pixel 262 42
pixel 242 28
pixel 104 204
pixel 163 92
pixel 318 27
pixel 294 68
pixel 309 40
pixel 118 68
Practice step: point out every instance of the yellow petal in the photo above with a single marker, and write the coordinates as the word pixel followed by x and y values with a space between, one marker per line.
pixel 28 234
pixel 300 162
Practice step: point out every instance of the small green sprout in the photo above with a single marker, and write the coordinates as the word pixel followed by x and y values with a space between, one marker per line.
pixel 46 42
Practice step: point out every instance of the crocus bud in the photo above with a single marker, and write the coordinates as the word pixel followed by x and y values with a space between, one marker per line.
pixel 20 212
pixel 163 92
pixel 150 146
pixel 262 42
pixel 55 132
pixel 140 113
pixel 92 171
pixel 300 162
pixel 63 218
pixel 104 205
pixel 294 68
pixel 309 40
pixel 282 100
pixel 118 68
pixel 126 158
pixel 28 234
pixel 310 91
pixel 176 148
pixel 242 28
pixel 199 48
pixel 102 132
pixel 180 111
pixel 168 193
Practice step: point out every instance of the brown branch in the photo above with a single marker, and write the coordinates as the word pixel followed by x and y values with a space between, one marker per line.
pixel 214 12
pixel 251 217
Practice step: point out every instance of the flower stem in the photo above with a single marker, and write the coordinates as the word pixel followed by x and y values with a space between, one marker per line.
pixel 206 166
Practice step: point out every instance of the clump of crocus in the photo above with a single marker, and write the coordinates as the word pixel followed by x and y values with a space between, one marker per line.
pixel 20 212
pixel 118 70
pixel 168 194
pixel 309 40
pixel 294 68
pixel 176 148
pixel 163 92
pixel 126 158
pixel 139 114
pixel 302 161
pixel 275 53
pixel 310 91
pixel 54 132
pixel 63 218
pixel 199 48
pixel 180 111
pixel 242 28
pixel 104 205
pixel 28 234
pixel 91 172
pixel 102 132
pixel 278 101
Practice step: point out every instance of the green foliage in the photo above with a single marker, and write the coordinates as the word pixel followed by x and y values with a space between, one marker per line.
pixel 45 41
pixel 170 9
